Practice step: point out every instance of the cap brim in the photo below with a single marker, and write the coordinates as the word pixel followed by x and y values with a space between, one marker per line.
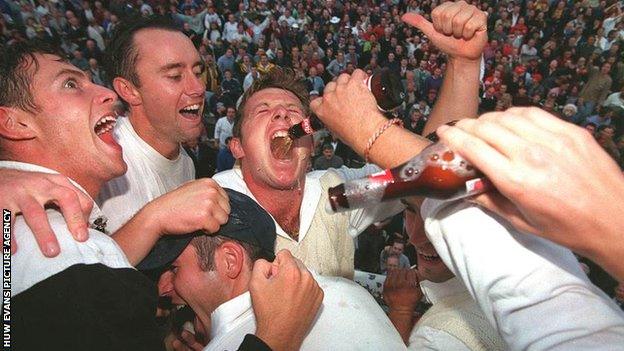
pixel 166 250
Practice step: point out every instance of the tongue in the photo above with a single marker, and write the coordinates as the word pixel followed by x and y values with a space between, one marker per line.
pixel 280 147
pixel 189 115
pixel 108 138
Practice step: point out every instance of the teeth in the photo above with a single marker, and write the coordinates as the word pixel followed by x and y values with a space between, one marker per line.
pixel 191 108
pixel 280 134
pixel 428 257
pixel 104 125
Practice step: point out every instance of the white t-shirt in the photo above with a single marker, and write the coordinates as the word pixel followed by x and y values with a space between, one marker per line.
pixel 349 319
pixel 149 175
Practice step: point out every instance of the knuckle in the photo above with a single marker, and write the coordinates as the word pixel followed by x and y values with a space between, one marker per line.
pixel 457 21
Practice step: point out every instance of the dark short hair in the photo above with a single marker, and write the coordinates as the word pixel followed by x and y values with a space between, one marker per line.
pixel 18 66
pixel 280 78
pixel 206 245
pixel 122 52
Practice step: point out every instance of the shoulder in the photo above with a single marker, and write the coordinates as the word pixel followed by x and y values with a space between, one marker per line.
pixel 30 266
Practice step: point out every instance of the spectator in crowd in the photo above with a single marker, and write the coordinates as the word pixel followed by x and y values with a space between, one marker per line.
pixel 225 159
pixel 327 159
pixel 395 249
pixel 202 156
pixel 226 62
pixel 597 87
pixel 392 263
pixel 223 129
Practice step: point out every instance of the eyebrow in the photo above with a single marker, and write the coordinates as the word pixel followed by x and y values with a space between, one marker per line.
pixel 69 71
pixel 175 65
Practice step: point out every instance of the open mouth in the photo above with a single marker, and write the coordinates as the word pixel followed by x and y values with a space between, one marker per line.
pixel 281 144
pixel 191 111
pixel 104 129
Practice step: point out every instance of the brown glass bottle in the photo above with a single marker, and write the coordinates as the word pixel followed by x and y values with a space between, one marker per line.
pixel 436 172
pixel 385 85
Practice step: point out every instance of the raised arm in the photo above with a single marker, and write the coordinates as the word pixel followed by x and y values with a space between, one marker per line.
pixel 459 30
pixel 197 205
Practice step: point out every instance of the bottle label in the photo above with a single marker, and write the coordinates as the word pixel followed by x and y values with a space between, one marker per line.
pixel 477 186
pixel 384 176
pixel 307 127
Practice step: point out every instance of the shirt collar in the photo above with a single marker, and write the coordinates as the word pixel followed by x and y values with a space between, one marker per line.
pixel 311 194
pixel 97 220
pixel 435 292
pixel 225 317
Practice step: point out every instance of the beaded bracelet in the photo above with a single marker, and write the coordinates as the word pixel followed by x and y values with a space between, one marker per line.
pixel 379 132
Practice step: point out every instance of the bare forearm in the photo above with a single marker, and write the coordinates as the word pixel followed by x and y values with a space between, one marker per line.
pixel 137 237
pixel 459 94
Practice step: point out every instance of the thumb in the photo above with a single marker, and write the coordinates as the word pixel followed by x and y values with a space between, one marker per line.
pixel 315 105
pixel 261 270
pixel 418 21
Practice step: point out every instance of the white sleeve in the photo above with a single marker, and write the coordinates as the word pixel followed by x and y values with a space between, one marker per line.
pixel 217 131
pixel 360 219
pixel 427 338
pixel 532 290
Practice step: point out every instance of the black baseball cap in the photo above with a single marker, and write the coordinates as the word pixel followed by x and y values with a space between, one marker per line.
pixel 248 222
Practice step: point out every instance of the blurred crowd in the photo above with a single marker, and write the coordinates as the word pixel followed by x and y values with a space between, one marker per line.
pixel 563 56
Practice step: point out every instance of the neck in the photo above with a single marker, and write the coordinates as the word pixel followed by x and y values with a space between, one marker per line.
pixel 283 205
pixel 143 127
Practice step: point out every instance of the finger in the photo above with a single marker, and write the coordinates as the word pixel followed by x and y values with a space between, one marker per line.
pixel 343 79
pixel 544 120
pixel 37 220
pixel 521 126
pixel 358 76
pixel 190 340
pixel 421 23
pixel 261 270
pixel 497 203
pixel 86 203
pixel 460 20
pixel 496 135
pixel 436 16
pixel 316 106
pixel 179 345
pixel 476 151
pixel 413 277
pixel 477 23
pixel 447 17
pixel 283 256
pixel 224 199
pixel 329 88
pixel 69 204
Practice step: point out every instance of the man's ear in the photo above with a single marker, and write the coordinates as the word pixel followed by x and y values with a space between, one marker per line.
pixel 236 146
pixel 127 91
pixel 233 256
pixel 16 124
